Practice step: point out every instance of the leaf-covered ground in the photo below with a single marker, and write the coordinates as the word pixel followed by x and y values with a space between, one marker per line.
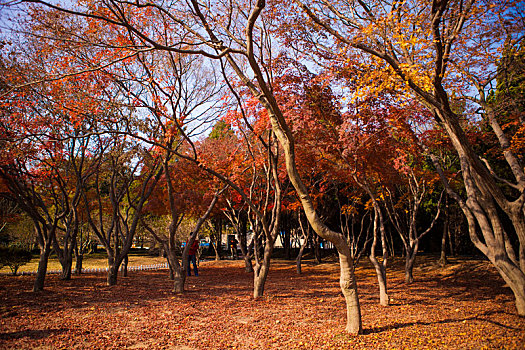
pixel 464 306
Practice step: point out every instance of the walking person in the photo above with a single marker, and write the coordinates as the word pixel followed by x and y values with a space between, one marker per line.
pixel 192 257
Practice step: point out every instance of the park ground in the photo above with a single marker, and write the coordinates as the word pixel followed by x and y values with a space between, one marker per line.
pixel 466 305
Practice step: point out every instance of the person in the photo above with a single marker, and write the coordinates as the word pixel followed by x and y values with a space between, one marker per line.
pixel 192 257
pixel 233 247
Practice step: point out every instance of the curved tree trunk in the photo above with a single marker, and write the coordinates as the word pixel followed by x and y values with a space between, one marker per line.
pixel 347 278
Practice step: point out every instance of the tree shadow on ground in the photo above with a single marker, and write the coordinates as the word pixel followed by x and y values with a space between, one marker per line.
pixel 399 325
pixel 35 334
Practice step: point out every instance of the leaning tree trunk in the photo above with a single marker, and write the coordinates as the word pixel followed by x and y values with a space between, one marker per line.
pixel 347 278
pixel 482 215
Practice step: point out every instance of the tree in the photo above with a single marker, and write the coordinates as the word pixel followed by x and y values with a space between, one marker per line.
pixel 14 257
pixel 404 212
pixel 183 195
pixel 421 49
pixel 120 187
pixel 34 150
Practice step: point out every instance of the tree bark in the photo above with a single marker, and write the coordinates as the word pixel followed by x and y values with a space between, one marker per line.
pixel 113 267
pixel 409 266
pixel 261 271
pixel 125 266
pixel 67 265
pixel 78 263
pixel 42 268
pixel 443 256
pixel 380 267
pixel 317 249
pixel 298 260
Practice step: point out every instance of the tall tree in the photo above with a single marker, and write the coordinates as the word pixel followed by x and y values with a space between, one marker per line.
pixel 421 48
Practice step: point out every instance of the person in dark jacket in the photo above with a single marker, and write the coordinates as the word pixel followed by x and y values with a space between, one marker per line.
pixel 192 257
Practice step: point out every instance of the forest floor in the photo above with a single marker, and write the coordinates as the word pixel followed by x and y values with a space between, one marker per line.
pixel 465 305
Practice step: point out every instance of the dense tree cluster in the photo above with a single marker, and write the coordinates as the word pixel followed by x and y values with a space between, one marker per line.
pixel 373 127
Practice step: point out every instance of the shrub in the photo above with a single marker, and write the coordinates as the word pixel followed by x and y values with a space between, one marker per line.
pixel 14 257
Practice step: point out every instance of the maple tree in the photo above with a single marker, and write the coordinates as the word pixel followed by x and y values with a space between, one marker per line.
pixel 120 187
pixel 43 163
pixel 136 28
pixel 440 53
pixel 377 65
pixel 180 197
pixel 403 213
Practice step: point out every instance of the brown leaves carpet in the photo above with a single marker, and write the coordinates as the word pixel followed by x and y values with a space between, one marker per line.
pixel 463 306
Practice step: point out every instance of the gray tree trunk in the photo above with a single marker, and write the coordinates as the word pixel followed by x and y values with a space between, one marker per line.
pixel 379 229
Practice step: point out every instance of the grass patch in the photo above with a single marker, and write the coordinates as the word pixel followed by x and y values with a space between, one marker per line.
pixel 91 261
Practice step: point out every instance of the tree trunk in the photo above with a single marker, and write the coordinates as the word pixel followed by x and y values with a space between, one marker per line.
pixel 347 278
pixel 410 259
pixel 349 289
pixel 177 273
pixel 409 268
pixel 216 244
pixel 443 256
pixel 179 279
pixel 78 263
pixel 514 278
pixel 125 266
pixel 299 258
pixel 112 272
pixel 65 255
pixel 379 267
pixel 67 265
pixel 381 281
pixel 483 201
pixel 261 271
pixel 245 248
pixel 42 268
pixel 317 249
pixel 286 244
pixel 248 266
